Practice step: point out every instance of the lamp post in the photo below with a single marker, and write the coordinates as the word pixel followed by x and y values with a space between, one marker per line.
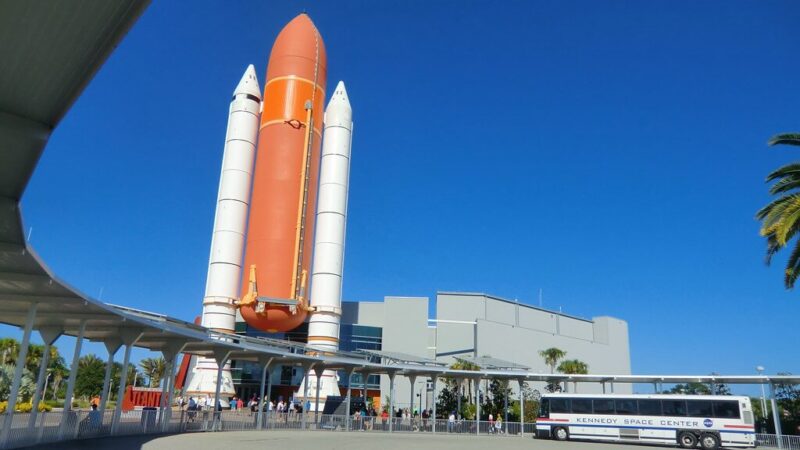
pixel 760 370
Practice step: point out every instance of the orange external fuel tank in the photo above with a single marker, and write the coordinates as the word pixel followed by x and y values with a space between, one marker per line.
pixel 280 232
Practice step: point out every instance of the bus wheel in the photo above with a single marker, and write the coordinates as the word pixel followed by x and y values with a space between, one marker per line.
pixel 709 441
pixel 687 439
pixel 560 433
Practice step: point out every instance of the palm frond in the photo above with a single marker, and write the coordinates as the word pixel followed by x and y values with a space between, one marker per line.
pixel 786 184
pixel 792 268
pixel 782 222
pixel 784 171
pixel 774 209
pixel 785 138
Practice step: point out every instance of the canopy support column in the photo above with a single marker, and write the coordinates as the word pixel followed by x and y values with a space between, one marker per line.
pixel 112 346
pixel 776 417
pixel 17 380
pixel 521 408
pixel 478 407
pixel 306 370
pixel 347 399
pixel 391 401
pixel 170 353
pixel 129 337
pixel 49 335
pixel 221 356
pixel 264 362
pixel 66 418
pixel 412 379
pixel 318 371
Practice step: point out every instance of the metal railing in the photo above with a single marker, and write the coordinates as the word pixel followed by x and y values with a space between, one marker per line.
pixel 64 426
pixel 58 426
pixel 788 442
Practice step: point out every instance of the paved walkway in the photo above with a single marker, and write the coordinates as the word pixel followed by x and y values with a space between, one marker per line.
pixel 318 440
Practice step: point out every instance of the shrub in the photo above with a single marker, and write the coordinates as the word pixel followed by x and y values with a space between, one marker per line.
pixel 24 407
pixel 3 406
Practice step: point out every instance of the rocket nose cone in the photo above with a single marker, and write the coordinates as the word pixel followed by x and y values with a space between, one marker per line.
pixel 339 111
pixel 339 96
pixel 249 83
pixel 297 50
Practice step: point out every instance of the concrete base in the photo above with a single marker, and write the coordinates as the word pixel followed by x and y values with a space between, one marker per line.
pixel 201 382
pixel 328 385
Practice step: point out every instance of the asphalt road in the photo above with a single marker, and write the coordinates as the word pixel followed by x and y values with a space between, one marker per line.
pixel 324 440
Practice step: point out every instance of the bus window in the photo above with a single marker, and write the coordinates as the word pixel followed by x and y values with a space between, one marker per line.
pixel 559 405
pixel 581 406
pixel 698 408
pixel 726 409
pixel 626 406
pixel 603 406
pixel 674 407
pixel 544 408
pixel 649 407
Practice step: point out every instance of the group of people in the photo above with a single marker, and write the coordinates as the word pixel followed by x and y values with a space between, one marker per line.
pixel 366 418
pixel 454 424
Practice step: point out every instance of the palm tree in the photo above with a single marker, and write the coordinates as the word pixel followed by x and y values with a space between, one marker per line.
pixel 552 356
pixel 780 219
pixel 34 357
pixel 9 349
pixel 461 364
pixel 154 368
pixel 573 367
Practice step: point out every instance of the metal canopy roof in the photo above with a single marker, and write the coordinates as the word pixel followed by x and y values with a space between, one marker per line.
pixel 487 362
pixel 402 358
pixel 50 51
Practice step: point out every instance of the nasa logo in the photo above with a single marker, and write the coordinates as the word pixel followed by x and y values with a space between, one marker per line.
pixel 708 423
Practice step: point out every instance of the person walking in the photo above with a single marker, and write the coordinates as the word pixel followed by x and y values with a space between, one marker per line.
pixel 451 421
pixel 498 425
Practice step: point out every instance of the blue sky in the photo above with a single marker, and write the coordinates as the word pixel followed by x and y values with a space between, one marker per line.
pixel 610 153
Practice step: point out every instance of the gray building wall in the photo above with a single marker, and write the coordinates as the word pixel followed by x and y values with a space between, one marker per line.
pixel 405 330
pixel 516 332
pixel 499 328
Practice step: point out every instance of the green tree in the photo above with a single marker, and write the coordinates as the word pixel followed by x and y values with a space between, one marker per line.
pixel 26 387
pixel 690 389
pixel 9 350
pixel 780 219
pixel 531 405
pixel 494 402
pixel 154 368
pixel 551 357
pixel 719 388
pixel 466 384
pixel 788 397
pixel 573 367
pixel 89 380
pixel 447 400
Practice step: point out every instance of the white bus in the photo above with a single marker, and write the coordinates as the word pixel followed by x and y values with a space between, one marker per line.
pixel 707 421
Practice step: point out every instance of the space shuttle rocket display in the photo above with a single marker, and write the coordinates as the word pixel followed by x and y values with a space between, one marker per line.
pixel 326 273
pixel 230 220
pixel 280 231
pixel 264 229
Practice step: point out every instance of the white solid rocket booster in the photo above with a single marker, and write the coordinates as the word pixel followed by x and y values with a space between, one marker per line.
pixel 230 222
pixel 326 269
